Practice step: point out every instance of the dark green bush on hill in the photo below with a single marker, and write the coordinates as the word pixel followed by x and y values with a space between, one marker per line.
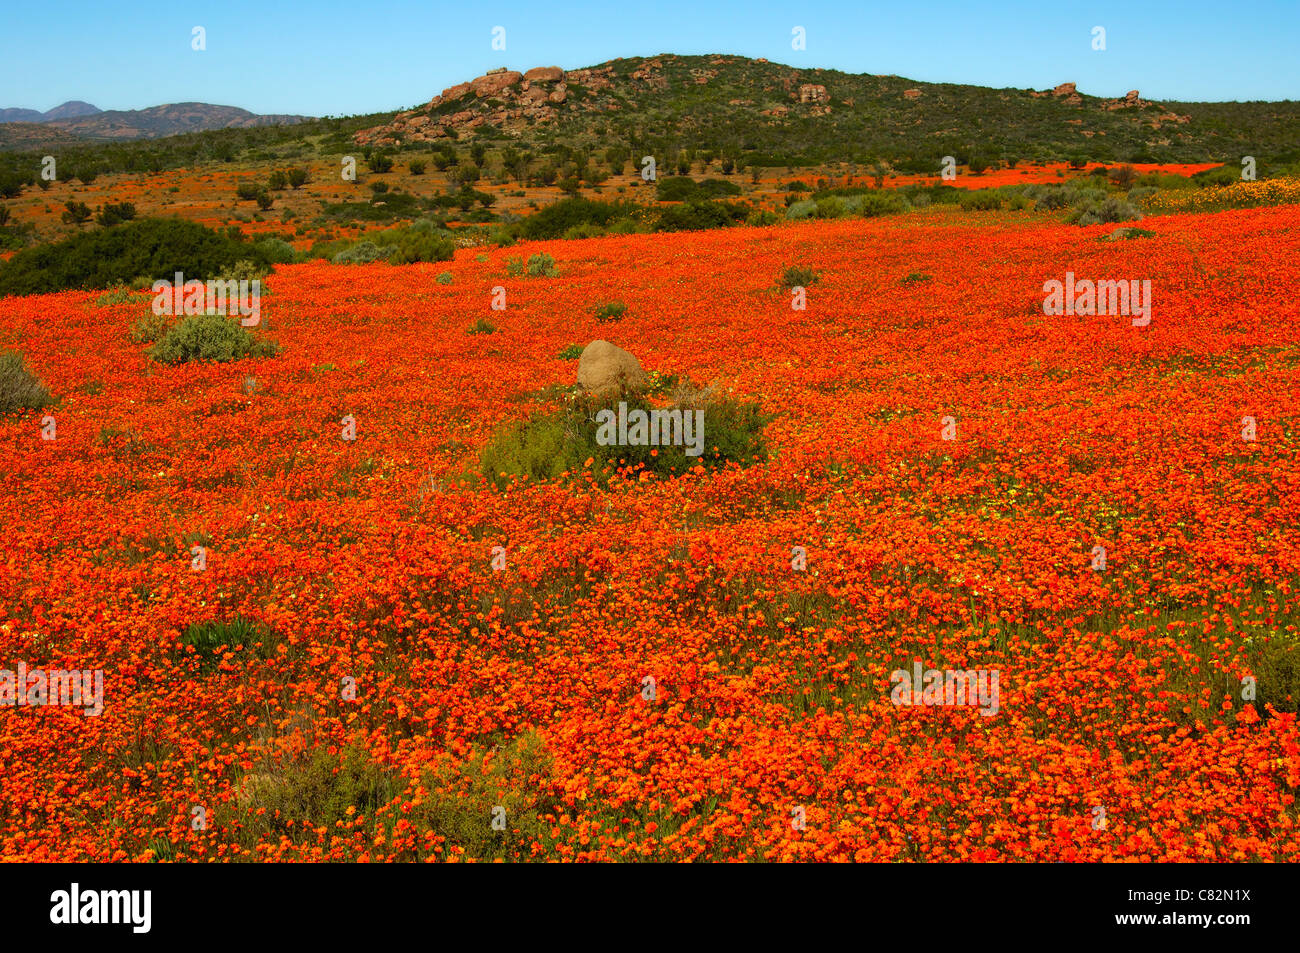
pixel 683 189
pixel 557 218
pixel 151 248
pixel 697 215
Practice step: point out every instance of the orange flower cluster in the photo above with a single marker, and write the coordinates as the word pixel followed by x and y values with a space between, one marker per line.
pixel 652 675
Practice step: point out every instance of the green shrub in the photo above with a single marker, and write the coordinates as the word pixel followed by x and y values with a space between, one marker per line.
pixel 514 267
pixel 362 253
pixel 117 295
pixel 151 248
pixel 421 241
pixel 248 191
pixel 245 270
pixel 19 387
pixel 417 166
pixel 210 638
pixel 320 790
pixel 149 328
pixel 445 278
pixel 1124 234
pixel 611 312
pixel 209 337
pixel 553 444
pixel 694 216
pixel 572 352
pixel 559 217
pixel 683 189
pixel 914 278
pixel 983 200
pixel 277 180
pixel 805 208
pixel 275 250
pixel 482 326
pixel 830 207
pixel 115 214
pixel 293 797
pixel 1109 211
pixel 75 213
pixel 879 202
pixel 583 231
pixel 796 276
pixel 1278 673
pixel 541 265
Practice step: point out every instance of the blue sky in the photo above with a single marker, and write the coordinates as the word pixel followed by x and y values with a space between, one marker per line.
pixel 331 57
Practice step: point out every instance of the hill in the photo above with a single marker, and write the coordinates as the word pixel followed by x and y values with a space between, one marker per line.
pixel 773 114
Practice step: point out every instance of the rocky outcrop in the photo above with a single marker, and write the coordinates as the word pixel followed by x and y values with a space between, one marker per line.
pixel 544 74
pixel 499 97
pixel 606 370
pixel 493 83
pixel 911 94
pixel 812 93
pixel 1067 93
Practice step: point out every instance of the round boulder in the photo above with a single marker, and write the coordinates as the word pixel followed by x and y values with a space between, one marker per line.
pixel 606 370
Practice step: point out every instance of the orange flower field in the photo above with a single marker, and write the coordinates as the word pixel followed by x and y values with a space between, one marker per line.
pixel 655 675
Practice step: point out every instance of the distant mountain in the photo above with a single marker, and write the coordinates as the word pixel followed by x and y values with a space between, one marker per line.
pixel 83 121
pixel 21 115
pixel 168 120
pixel 69 110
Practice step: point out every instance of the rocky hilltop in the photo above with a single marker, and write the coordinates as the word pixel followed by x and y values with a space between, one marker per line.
pixel 504 98
pixel 722 98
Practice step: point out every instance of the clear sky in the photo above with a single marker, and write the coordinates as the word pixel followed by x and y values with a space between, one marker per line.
pixel 342 57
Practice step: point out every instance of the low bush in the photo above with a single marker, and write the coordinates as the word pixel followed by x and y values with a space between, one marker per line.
pixel 797 276
pixel 20 389
pixel 115 214
pixel 694 216
pixel 683 189
pixel 559 443
pixel 209 337
pixel 559 217
pixel 362 253
pixel 118 295
pixel 611 312
pixel 541 265
pixel 1108 211
pixel 984 200
pixel 275 250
